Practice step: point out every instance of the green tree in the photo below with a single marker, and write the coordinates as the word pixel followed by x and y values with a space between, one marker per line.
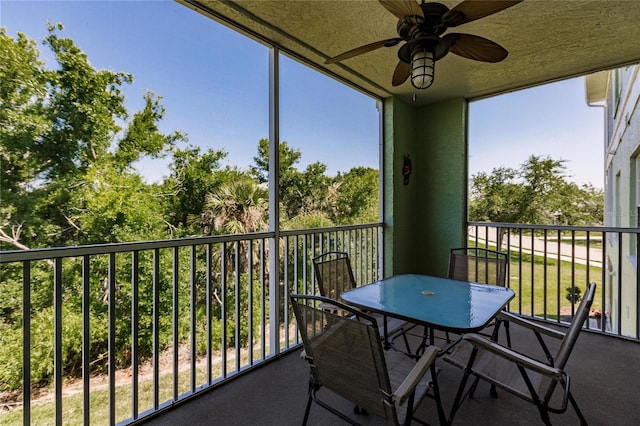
pixel 288 158
pixel 583 205
pixel 305 192
pixel 143 136
pixel 23 90
pixel 83 108
pixel 63 145
pixel 493 196
pixel 66 178
pixel 291 181
pixel 193 175
pixel 301 193
pixel 67 151
pixel 537 192
pixel 351 197
pixel 543 188
pixel 357 196
pixel 238 206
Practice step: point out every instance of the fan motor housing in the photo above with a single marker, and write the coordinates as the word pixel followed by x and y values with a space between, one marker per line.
pixel 439 46
pixel 408 25
pixel 433 13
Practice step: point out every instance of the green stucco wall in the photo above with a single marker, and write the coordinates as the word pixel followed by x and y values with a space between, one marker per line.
pixel 426 218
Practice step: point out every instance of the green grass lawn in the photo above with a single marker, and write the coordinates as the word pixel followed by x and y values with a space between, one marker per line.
pixel 536 282
pixel 42 413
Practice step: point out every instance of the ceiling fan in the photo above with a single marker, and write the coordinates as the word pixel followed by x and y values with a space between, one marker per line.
pixel 421 27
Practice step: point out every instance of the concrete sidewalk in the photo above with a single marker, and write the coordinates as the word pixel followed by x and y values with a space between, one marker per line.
pixel 565 251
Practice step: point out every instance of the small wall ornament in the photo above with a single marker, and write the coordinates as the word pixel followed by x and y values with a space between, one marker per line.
pixel 406 169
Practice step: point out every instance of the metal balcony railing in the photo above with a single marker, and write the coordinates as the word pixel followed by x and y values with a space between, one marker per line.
pixel 140 326
pixel 550 266
pixel 136 327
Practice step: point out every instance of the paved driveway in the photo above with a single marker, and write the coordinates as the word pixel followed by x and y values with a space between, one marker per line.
pixel 566 251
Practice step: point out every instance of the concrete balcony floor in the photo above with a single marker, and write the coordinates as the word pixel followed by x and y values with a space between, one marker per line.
pixel 605 380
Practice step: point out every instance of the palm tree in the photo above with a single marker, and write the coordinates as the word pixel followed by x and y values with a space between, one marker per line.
pixel 237 207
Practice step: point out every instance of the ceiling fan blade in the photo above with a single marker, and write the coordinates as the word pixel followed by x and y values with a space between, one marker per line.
pixel 402 8
pixel 475 47
pixel 400 75
pixel 470 10
pixel 363 49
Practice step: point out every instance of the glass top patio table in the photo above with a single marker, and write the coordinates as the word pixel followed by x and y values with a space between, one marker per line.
pixel 441 303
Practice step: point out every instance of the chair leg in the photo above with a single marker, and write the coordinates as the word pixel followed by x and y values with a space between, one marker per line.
pixel 460 394
pixel 409 415
pixel 421 346
pixel 493 391
pixel 406 342
pixel 387 344
pixel 496 331
pixel 385 334
pixel 542 407
pixel 308 408
pixel 459 398
pixel 472 389
pixel 506 330
pixel 574 404
pixel 329 408
pixel 402 332
pixel 474 385
pixel 436 394
pixel 544 415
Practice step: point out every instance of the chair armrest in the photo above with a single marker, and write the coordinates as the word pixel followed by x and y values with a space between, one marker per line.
pixel 483 343
pixel 506 316
pixel 416 374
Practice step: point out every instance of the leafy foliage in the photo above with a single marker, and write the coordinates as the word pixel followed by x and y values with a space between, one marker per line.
pixel 236 207
pixel 356 195
pixel 68 147
pixel 351 197
pixel 537 192
pixel 193 175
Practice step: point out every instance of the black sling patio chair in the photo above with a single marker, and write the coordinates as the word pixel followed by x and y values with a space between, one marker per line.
pixel 479 265
pixel 482 266
pixel 346 356
pixel 544 383
pixel 334 275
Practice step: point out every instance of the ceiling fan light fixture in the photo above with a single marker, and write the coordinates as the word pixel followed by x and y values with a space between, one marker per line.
pixel 422 27
pixel 423 66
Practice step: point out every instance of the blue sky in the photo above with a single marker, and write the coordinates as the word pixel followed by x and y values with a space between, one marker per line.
pixel 214 85
pixel 551 120
pixel 213 81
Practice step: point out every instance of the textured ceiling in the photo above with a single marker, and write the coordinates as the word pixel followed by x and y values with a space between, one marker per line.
pixel 547 41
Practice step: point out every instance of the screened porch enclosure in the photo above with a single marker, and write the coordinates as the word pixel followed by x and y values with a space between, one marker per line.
pixel 209 334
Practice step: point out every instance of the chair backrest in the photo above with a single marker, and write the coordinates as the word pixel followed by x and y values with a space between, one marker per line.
pixel 571 336
pixel 478 265
pixel 345 353
pixel 333 274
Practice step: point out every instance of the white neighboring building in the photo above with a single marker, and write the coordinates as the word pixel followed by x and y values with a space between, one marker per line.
pixel 618 92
